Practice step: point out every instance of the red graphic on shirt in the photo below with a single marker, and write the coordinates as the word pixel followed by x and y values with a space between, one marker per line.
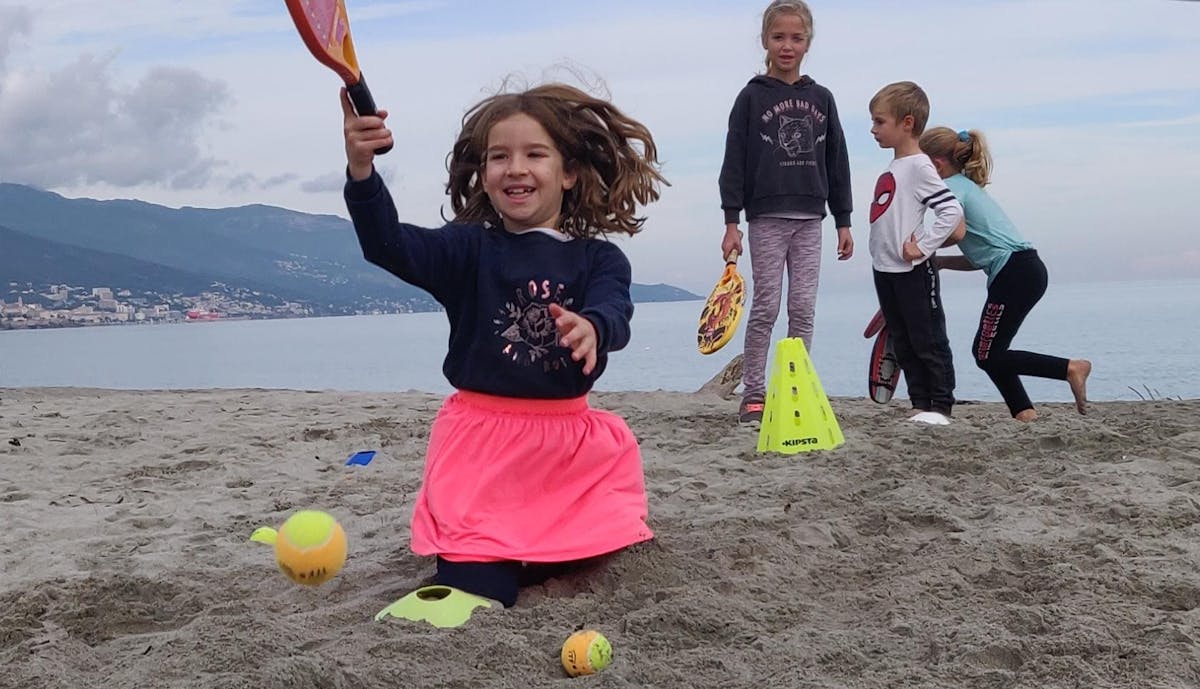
pixel 885 191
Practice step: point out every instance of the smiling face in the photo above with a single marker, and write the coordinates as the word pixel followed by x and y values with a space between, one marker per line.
pixel 786 42
pixel 524 174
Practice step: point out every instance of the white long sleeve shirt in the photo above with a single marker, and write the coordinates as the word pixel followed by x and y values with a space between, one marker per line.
pixel 909 187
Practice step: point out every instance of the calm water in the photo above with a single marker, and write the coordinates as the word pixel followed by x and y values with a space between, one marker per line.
pixel 1137 334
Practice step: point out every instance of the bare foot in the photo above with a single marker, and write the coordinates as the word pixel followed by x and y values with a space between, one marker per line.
pixel 1026 415
pixel 1078 371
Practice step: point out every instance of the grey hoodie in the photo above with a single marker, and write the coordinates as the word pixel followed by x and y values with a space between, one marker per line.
pixel 785 152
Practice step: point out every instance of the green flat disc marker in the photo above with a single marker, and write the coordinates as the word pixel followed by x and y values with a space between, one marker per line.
pixel 441 606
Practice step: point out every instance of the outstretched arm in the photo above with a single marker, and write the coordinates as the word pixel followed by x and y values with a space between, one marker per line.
pixel 953 263
pixel 438 261
pixel 363 136
pixel 602 323
pixel 577 334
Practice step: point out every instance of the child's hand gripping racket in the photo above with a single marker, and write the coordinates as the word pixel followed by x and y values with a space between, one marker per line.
pixel 723 310
pixel 325 28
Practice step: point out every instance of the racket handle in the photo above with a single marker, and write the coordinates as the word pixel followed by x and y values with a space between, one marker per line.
pixel 364 104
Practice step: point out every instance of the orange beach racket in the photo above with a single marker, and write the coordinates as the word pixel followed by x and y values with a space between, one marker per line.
pixel 325 28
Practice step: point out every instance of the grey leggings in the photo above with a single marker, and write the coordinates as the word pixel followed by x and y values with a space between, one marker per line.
pixel 776 244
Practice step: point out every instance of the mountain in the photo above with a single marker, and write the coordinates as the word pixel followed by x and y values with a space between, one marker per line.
pixel 28 259
pixel 134 245
pixel 660 292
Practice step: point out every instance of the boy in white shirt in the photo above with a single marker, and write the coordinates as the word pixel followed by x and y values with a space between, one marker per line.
pixel 906 281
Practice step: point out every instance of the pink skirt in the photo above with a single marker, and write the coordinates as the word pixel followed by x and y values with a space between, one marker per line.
pixel 528 480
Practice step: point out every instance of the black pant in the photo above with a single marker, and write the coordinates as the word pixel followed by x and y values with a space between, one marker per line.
pixel 500 581
pixel 912 306
pixel 1013 293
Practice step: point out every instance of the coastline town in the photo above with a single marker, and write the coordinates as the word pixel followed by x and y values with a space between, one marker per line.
pixel 59 306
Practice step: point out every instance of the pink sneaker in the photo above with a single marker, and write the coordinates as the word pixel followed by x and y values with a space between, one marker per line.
pixel 751 409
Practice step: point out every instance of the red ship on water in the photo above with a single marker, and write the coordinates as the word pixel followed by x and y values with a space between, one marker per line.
pixel 202 315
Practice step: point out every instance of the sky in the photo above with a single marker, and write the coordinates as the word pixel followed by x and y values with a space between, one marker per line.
pixel 1091 107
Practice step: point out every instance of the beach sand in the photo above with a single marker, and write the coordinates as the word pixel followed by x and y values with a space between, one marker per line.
pixel 1065 553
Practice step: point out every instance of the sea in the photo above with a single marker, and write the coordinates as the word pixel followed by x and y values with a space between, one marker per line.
pixel 1140 336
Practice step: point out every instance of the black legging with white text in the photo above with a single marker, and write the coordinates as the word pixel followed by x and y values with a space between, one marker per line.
pixel 1013 293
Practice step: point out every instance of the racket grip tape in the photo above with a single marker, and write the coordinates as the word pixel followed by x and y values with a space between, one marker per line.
pixel 364 104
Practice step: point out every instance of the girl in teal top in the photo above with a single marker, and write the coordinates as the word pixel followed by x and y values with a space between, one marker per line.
pixel 1016 276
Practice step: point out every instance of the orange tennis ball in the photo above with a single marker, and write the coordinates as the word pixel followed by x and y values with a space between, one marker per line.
pixel 586 652
pixel 311 547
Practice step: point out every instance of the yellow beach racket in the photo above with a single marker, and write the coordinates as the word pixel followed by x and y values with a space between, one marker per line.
pixel 723 310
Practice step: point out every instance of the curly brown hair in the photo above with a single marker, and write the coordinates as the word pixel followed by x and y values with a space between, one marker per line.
pixel 613 155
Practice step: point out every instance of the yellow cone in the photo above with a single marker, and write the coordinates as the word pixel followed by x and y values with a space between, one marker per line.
pixel 797 416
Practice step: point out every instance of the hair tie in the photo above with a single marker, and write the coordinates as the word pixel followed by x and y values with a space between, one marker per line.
pixel 964 136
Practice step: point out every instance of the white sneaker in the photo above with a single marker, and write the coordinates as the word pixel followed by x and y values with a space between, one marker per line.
pixel 931 418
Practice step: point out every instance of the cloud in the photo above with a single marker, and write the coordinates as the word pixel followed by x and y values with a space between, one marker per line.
pixel 241 182
pixel 1090 108
pixel 279 180
pixel 14 23
pixel 1186 121
pixel 81 125
pixel 325 184
pixel 252 183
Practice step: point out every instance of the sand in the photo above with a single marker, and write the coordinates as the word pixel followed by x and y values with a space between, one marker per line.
pixel 983 554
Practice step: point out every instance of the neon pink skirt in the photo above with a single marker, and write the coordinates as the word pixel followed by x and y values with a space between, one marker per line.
pixel 528 480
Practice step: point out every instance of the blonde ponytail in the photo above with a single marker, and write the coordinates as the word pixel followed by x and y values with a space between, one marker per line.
pixel 966 151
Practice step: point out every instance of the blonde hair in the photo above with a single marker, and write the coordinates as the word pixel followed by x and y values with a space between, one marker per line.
pixel 613 156
pixel 903 99
pixel 781 7
pixel 966 151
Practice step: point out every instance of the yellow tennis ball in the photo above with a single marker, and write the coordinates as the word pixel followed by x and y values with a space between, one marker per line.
pixel 311 547
pixel 586 652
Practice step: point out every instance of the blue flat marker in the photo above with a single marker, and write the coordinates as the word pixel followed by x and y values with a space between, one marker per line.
pixel 361 458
